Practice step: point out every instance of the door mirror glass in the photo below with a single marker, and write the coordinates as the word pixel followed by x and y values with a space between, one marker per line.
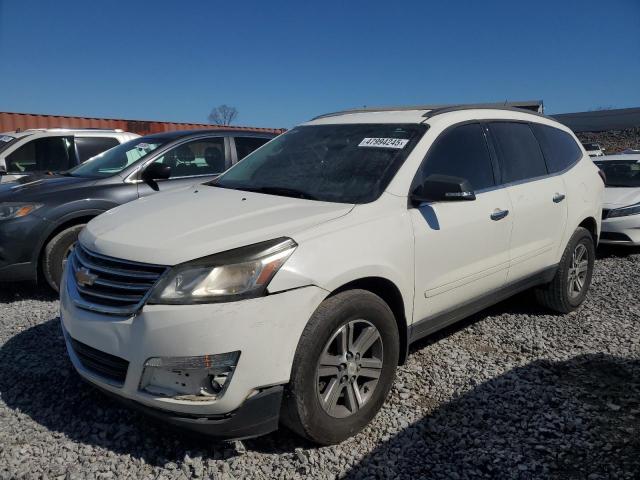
pixel 442 188
pixel 156 171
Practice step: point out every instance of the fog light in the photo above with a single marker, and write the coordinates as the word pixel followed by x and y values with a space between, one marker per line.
pixel 189 378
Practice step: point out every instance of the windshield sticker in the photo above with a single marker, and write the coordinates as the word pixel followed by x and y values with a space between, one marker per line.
pixel 6 138
pixel 143 146
pixel 397 143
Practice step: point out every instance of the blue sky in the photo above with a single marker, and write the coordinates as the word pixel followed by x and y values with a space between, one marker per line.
pixel 281 62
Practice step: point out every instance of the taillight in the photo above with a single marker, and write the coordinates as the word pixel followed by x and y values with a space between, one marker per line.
pixel 603 176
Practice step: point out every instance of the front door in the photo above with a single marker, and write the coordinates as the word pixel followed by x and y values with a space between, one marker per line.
pixel 461 247
pixel 193 162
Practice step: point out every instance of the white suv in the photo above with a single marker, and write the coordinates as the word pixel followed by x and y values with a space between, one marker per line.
pixel 290 288
pixel 53 149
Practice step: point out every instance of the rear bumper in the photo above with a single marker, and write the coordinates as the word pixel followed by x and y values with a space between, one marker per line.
pixel 257 416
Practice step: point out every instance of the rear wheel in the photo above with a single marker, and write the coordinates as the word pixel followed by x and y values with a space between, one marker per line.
pixel 343 368
pixel 56 253
pixel 570 285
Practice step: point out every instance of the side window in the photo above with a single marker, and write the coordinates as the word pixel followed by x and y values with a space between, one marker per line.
pixel 246 145
pixel 461 152
pixel 41 155
pixel 200 157
pixel 89 147
pixel 559 148
pixel 519 151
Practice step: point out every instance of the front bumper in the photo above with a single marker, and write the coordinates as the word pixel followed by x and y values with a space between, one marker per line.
pixel 265 330
pixel 621 230
pixel 257 416
pixel 19 242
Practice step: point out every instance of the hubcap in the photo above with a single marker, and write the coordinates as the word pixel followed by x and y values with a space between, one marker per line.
pixel 578 270
pixel 349 368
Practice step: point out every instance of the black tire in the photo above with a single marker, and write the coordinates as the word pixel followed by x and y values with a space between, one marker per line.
pixel 55 253
pixel 555 294
pixel 302 411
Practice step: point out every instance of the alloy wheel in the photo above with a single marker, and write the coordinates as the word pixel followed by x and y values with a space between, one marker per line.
pixel 578 269
pixel 349 368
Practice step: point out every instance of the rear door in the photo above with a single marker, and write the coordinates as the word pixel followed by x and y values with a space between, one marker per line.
pixel 461 247
pixel 538 199
pixel 192 162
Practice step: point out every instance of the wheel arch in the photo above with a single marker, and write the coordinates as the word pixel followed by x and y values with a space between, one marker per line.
pixel 391 294
pixel 591 225
pixel 62 224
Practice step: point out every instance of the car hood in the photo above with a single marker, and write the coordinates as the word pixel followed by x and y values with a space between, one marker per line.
pixel 179 226
pixel 615 197
pixel 32 187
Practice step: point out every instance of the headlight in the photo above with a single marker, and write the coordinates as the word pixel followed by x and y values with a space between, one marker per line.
pixel 17 210
pixel 624 211
pixel 233 275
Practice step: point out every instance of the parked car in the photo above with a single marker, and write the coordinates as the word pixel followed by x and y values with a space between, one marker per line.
pixel 621 212
pixel 593 149
pixel 290 288
pixel 41 216
pixel 53 149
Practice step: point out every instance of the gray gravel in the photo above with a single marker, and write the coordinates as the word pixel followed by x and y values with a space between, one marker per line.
pixel 513 392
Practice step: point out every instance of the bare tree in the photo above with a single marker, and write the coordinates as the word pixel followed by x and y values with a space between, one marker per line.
pixel 223 115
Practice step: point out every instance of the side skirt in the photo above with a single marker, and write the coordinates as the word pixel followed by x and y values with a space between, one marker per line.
pixel 429 325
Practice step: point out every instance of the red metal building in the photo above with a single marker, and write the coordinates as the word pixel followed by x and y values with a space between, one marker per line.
pixel 10 121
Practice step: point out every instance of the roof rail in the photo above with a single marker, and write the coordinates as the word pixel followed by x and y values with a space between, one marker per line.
pixel 526 106
pixel 66 129
pixel 472 106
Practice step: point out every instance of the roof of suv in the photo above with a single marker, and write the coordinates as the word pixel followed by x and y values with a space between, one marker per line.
pixel 428 113
pixel 58 131
pixel 174 134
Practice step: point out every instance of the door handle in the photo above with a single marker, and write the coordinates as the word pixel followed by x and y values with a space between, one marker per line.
pixel 558 197
pixel 499 214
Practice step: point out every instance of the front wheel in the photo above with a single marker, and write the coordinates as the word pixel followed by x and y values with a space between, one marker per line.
pixel 56 253
pixel 570 285
pixel 343 367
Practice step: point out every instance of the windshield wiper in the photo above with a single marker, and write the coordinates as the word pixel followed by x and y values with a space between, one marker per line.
pixel 282 191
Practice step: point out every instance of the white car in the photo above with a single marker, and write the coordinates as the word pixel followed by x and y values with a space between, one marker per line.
pixel 621 208
pixel 593 149
pixel 290 288
pixel 45 150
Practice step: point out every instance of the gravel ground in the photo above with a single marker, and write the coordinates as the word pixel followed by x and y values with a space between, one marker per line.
pixel 513 392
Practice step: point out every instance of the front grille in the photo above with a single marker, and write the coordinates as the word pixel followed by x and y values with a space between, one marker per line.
pixel 605 213
pixel 103 364
pixel 111 285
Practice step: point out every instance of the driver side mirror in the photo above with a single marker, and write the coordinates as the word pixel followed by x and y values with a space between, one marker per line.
pixel 3 170
pixel 156 171
pixel 442 188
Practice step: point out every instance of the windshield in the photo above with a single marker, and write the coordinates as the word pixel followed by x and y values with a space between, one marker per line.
pixel 332 163
pixel 621 173
pixel 118 158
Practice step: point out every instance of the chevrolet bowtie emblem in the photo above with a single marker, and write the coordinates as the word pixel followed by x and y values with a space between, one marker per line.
pixel 84 278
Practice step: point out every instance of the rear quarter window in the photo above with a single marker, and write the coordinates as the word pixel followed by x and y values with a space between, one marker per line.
pixel 559 148
pixel 89 147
